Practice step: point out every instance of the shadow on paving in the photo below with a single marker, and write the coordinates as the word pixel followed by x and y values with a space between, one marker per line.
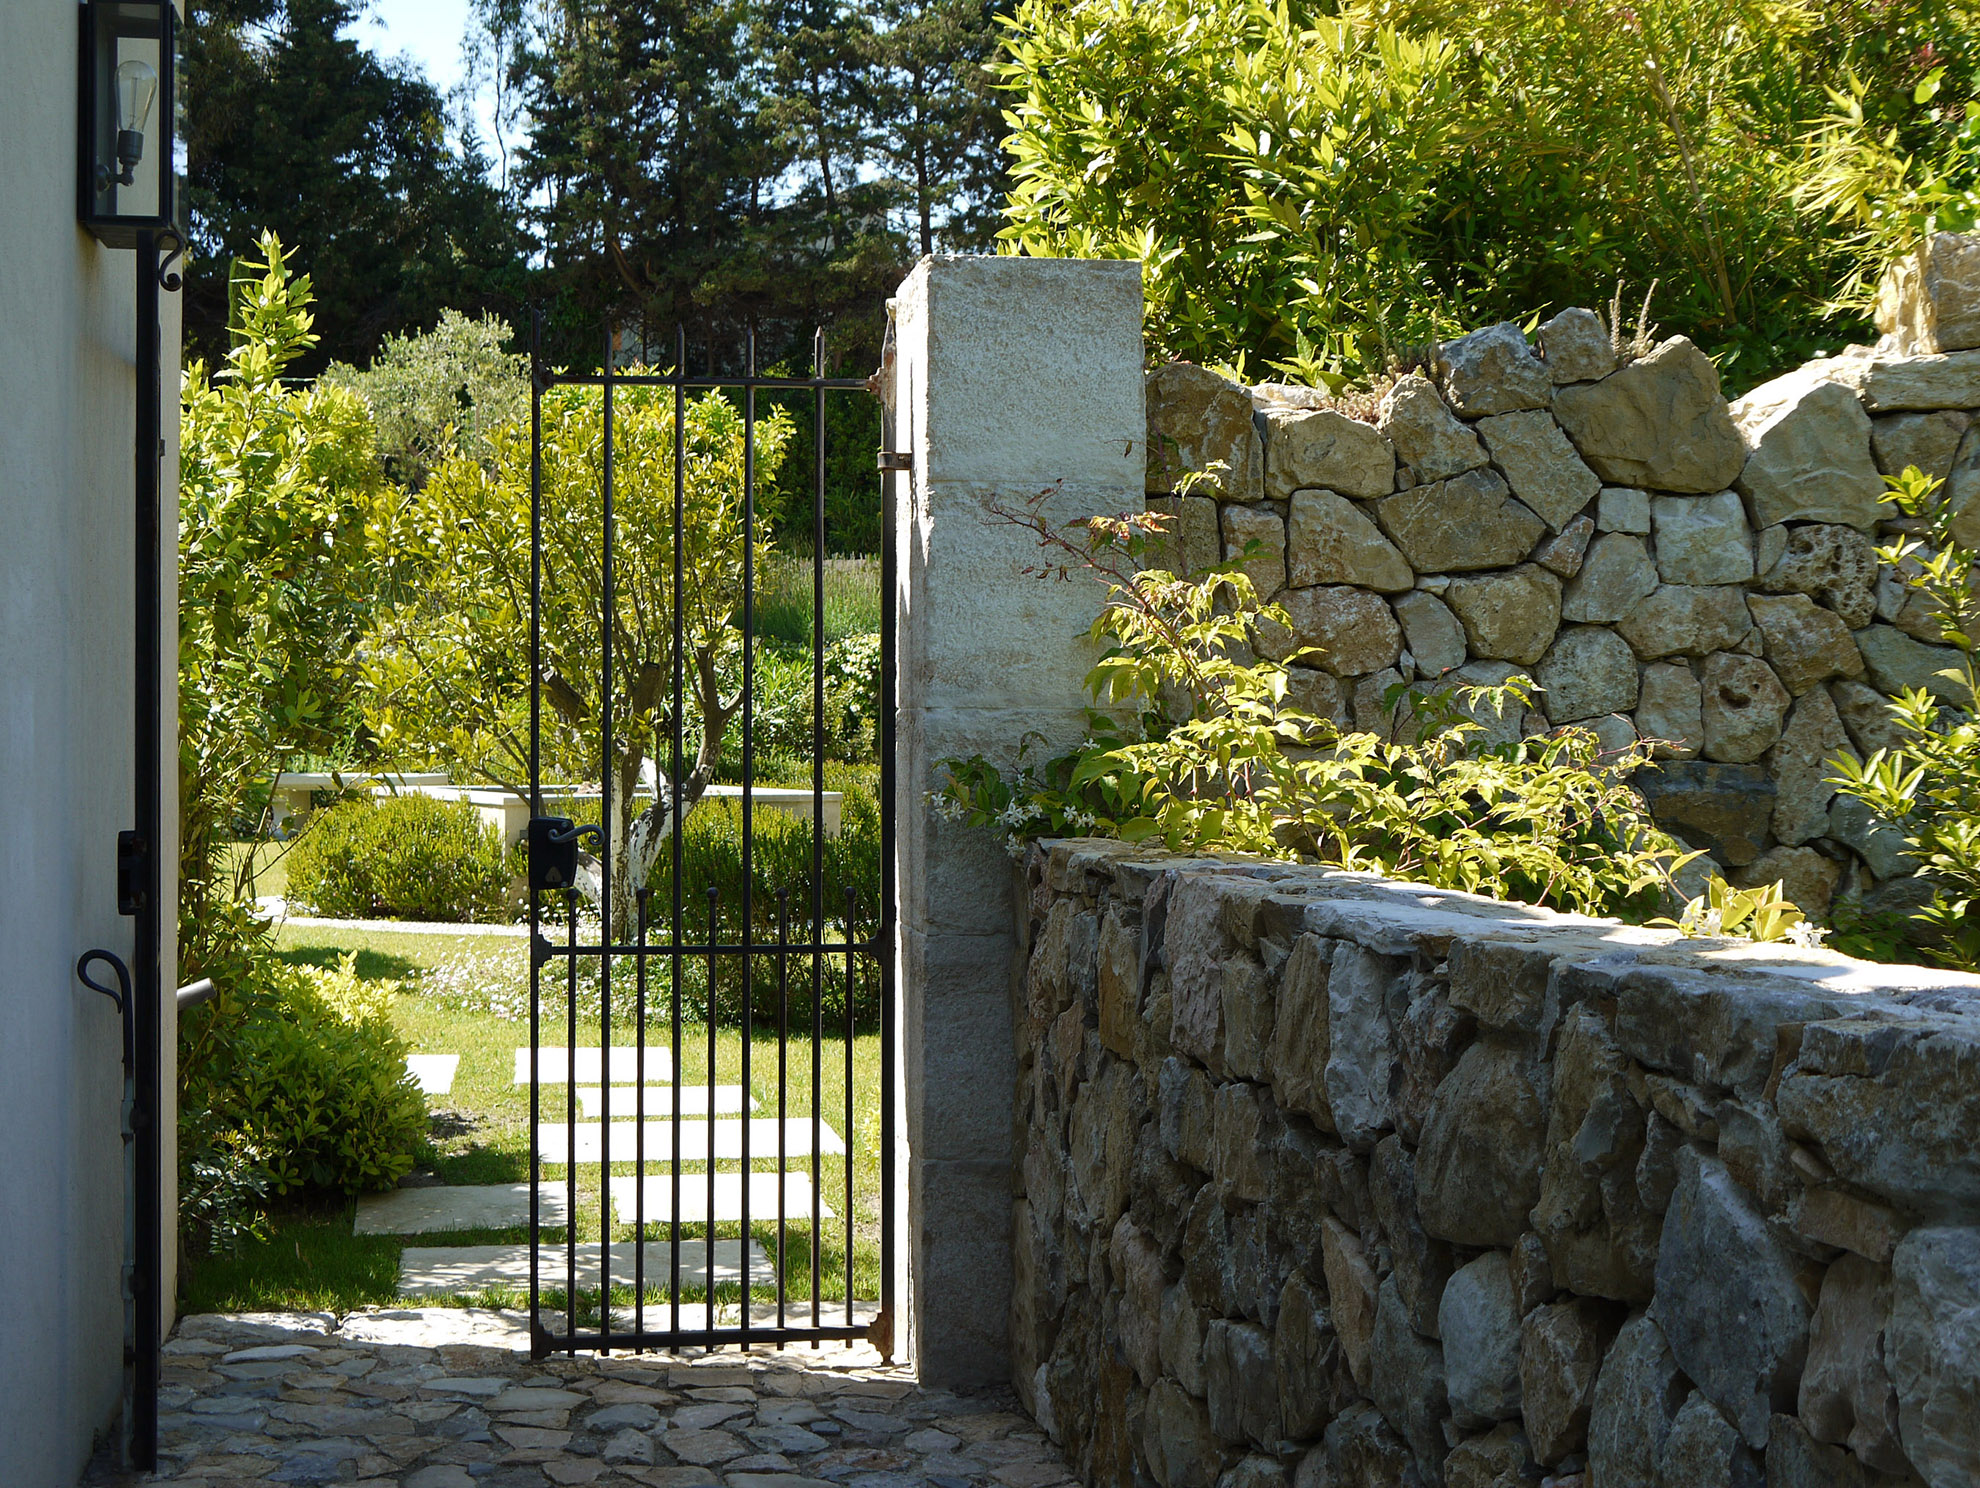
pixel 444 1397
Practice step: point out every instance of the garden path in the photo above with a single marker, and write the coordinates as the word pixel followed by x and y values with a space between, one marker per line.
pixel 449 1398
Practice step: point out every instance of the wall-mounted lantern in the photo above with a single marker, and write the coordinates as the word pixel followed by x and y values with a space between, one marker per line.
pixel 128 176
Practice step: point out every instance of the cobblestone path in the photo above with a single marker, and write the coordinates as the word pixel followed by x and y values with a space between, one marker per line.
pixel 446 1398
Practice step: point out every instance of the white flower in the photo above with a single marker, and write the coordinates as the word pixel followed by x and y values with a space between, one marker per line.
pixel 1014 815
pixel 1014 845
pixel 1804 933
pixel 1711 923
pixel 1078 818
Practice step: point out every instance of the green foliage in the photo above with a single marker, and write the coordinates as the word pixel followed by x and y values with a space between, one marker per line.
pixel 1764 915
pixel 1213 757
pixel 293 125
pixel 785 599
pixel 297 1090
pixel 1929 786
pixel 223 1184
pixel 781 860
pixel 406 857
pixel 1316 187
pixel 279 488
pixel 449 662
pixel 445 390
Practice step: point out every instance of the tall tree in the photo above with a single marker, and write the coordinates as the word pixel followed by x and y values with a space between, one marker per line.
pixel 941 121
pixel 293 126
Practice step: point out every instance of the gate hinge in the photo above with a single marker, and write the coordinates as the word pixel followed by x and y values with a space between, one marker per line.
pixel 896 459
pixel 130 873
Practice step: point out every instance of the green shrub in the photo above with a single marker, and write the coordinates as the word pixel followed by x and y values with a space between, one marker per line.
pixel 780 721
pixel 1216 758
pixel 406 857
pixel 780 858
pixel 1929 786
pixel 311 1098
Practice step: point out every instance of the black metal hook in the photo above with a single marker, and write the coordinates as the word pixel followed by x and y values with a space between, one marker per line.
pixel 168 281
pixel 561 835
pixel 121 996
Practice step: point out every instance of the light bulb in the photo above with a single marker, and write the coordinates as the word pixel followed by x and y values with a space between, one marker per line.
pixel 137 89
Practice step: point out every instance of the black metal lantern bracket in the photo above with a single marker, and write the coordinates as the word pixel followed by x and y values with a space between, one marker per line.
pixel 128 196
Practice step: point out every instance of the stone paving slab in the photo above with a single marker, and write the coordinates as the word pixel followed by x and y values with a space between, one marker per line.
pixel 660 1100
pixel 435 1072
pixel 557 1065
pixel 764 1192
pixel 435 1210
pixel 553 1140
pixel 445 1397
pixel 451 1270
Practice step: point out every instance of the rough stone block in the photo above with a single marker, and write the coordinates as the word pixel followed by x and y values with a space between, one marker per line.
pixel 1670 710
pixel 1300 1041
pixel 1177 1443
pixel 1702 539
pixel 1431 632
pixel 1430 440
pixel 1241 1384
pixel 1467 522
pixel 1492 371
pixel 1183 1326
pixel 1309 449
pixel 1809 460
pixel 1509 616
pixel 1258 536
pixel 1704 1450
pixel 1407 1381
pixel 1352 631
pixel 1588 672
pixel 1728 1299
pixel 1314 1381
pixel 1833 563
pixel 1540 465
pixel 1687 620
pixel 1929 300
pixel 1805 644
pixel 1743 706
pixel 1419 1265
pixel 1896 661
pixel 1845 1396
pixel 1928 441
pixel 1333 541
pixel 1563 553
pixel 1615 577
pixel 1351 1292
pixel 1621 509
pixel 1659 423
pixel 1199 422
pixel 1636 1401
pixel 1576 347
pixel 1478 1169
pixel 1478 1320
pixel 1192 541
pixel 1560 1352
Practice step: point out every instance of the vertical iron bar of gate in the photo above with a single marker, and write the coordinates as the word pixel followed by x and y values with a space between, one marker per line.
pixel 606 928
pixel 674 818
pixel 817 808
pixel 748 791
pixel 708 1226
pixel 640 897
pixel 783 1069
pixel 535 796
pixel 885 934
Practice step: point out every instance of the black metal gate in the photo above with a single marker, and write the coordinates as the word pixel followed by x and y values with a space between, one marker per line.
pixel 711 1221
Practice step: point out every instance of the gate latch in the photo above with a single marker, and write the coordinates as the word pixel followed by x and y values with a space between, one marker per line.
pixel 896 459
pixel 553 849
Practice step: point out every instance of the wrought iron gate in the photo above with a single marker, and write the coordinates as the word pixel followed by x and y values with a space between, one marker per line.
pixel 711 1221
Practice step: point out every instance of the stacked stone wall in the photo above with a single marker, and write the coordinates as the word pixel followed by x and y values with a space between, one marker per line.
pixel 1329 1182
pixel 1663 564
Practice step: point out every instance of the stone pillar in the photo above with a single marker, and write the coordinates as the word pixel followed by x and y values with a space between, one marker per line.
pixel 1012 376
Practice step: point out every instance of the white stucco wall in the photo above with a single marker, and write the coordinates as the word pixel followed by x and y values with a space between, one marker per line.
pixel 67 339
pixel 1013 375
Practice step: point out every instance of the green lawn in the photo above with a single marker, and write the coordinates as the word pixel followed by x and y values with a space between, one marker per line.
pixel 467 995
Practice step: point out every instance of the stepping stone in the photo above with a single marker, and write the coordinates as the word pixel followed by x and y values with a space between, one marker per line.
pixel 435 1072
pixel 556 1063
pixel 553 1140
pixel 660 1101
pixel 434 1210
pixel 763 1190
pixel 443 1270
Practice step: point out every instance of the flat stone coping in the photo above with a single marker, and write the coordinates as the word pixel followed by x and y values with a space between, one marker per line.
pixel 556 1065
pixel 764 1192
pixel 553 1141
pixel 437 1209
pixel 450 1270
pixel 660 1101
pixel 435 1072
pixel 274 907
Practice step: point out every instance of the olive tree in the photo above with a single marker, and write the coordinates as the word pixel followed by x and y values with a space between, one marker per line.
pixel 449 662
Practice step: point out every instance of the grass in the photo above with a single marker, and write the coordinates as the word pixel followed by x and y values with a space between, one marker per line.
pixel 786 592
pixel 479 1133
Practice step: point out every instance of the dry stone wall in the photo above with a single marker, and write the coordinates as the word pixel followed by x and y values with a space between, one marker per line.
pixel 1330 1182
pixel 1663 564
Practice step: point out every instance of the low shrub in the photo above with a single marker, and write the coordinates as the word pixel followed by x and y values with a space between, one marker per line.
pixel 1213 756
pixel 780 859
pixel 408 857
pixel 311 1087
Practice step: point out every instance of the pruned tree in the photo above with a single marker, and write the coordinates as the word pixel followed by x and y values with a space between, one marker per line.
pixel 449 663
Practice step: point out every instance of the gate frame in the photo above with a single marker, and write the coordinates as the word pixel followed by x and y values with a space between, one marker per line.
pixel 881 1331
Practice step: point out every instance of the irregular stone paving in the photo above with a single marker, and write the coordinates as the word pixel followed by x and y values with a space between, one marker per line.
pixel 443 1398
